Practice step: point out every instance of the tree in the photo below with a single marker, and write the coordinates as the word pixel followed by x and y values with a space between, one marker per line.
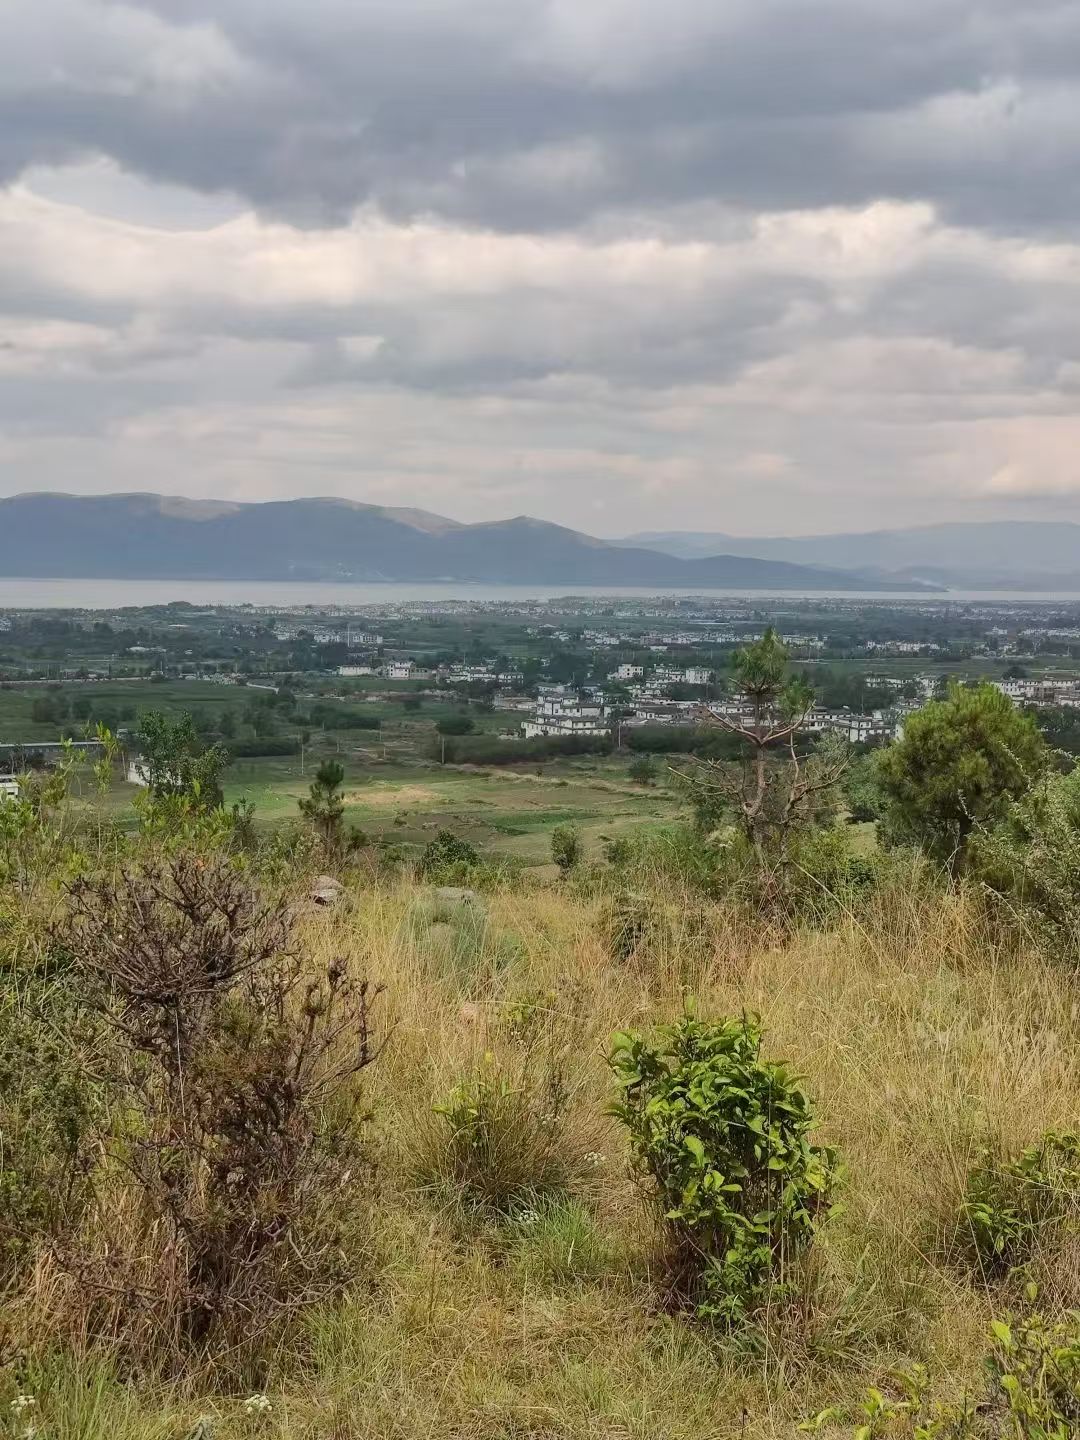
pixel 175 764
pixel 643 770
pixel 456 725
pixel 960 762
pixel 566 848
pixel 774 790
pixel 324 807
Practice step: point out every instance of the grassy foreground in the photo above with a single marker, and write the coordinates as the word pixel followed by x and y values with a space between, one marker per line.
pixel 920 1035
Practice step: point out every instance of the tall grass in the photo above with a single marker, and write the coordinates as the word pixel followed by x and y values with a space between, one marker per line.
pixel 923 1035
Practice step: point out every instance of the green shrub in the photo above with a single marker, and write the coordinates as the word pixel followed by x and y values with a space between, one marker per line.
pixel 1011 1206
pixel 566 848
pixel 1033 1393
pixel 500 1146
pixel 48 1104
pixel 447 858
pixel 724 1137
pixel 1031 863
pixel 643 770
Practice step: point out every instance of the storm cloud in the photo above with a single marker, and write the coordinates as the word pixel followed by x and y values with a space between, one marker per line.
pixel 740 264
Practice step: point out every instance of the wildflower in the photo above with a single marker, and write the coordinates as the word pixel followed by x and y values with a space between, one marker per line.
pixel 23 1402
pixel 257 1405
pixel 594 1157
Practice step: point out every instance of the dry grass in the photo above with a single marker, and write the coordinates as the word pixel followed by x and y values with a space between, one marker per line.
pixel 919 1035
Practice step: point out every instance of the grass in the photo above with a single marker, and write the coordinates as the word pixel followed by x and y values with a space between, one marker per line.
pixel 919 1034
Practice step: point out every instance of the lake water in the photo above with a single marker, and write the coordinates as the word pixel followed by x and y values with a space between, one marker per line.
pixel 114 594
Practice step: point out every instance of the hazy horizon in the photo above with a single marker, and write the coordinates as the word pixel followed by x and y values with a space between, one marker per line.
pixel 755 269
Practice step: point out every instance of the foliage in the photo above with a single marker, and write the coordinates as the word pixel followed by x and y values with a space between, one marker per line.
pixel 455 725
pixel 960 762
pixel 774 792
pixel 643 770
pixel 1030 861
pixel 492 750
pixel 343 717
pixel 236 1068
pixel 266 745
pixel 1011 1206
pixel 725 1138
pixel 48 1102
pixel 175 764
pixel 566 848
pixel 447 858
pixel 862 789
pixel 501 1144
pixel 1033 1371
pixel 324 807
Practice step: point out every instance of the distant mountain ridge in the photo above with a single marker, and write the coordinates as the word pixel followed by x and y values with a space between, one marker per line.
pixel 990 554
pixel 145 536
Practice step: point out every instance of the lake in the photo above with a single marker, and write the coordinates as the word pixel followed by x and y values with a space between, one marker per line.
pixel 35 594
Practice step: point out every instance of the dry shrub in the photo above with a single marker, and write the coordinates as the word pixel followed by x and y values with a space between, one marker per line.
pixel 235 1067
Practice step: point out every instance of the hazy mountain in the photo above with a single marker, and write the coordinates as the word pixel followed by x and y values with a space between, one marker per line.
pixel 1030 554
pixel 166 537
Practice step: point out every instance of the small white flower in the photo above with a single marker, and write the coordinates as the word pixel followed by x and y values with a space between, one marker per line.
pixel 594 1158
pixel 528 1217
pixel 257 1405
pixel 23 1402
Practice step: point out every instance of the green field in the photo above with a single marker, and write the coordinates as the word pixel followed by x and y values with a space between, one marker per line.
pixel 395 790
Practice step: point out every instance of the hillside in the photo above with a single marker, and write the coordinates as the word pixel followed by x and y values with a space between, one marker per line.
pixel 1037 555
pixel 163 537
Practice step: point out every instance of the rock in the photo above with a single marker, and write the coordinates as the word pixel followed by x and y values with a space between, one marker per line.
pixel 456 895
pixel 327 891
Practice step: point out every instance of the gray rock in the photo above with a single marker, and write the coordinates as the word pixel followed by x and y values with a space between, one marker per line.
pixel 327 891
pixel 456 895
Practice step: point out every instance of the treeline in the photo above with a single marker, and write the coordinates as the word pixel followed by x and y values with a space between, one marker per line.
pixel 494 750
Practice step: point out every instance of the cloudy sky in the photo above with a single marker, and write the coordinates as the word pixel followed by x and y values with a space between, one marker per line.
pixel 763 266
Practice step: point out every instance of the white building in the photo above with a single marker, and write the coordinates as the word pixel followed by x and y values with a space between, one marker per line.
pixel 9 788
pixel 398 669
pixel 627 672
pixel 695 675
pixel 562 716
pixel 347 671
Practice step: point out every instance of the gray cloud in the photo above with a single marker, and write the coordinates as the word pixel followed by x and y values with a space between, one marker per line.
pixel 542 113
pixel 753 264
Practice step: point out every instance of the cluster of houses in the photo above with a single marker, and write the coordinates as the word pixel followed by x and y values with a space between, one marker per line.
pixel 1064 693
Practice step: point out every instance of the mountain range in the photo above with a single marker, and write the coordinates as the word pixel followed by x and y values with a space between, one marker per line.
pixel 1003 554
pixel 142 536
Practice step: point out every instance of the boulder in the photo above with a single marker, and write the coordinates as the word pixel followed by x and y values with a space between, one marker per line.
pixel 327 891
pixel 456 895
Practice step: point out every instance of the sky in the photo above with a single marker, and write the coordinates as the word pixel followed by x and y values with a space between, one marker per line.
pixel 754 266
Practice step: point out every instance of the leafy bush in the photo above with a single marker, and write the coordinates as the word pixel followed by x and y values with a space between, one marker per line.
pixel 643 770
pixel 1031 862
pixel 235 1069
pixel 1033 1393
pixel 566 848
pixel 960 762
pixel 725 1138
pixel 1011 1206
pixel 456 725
pixel 447 858
pixel 500 1146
